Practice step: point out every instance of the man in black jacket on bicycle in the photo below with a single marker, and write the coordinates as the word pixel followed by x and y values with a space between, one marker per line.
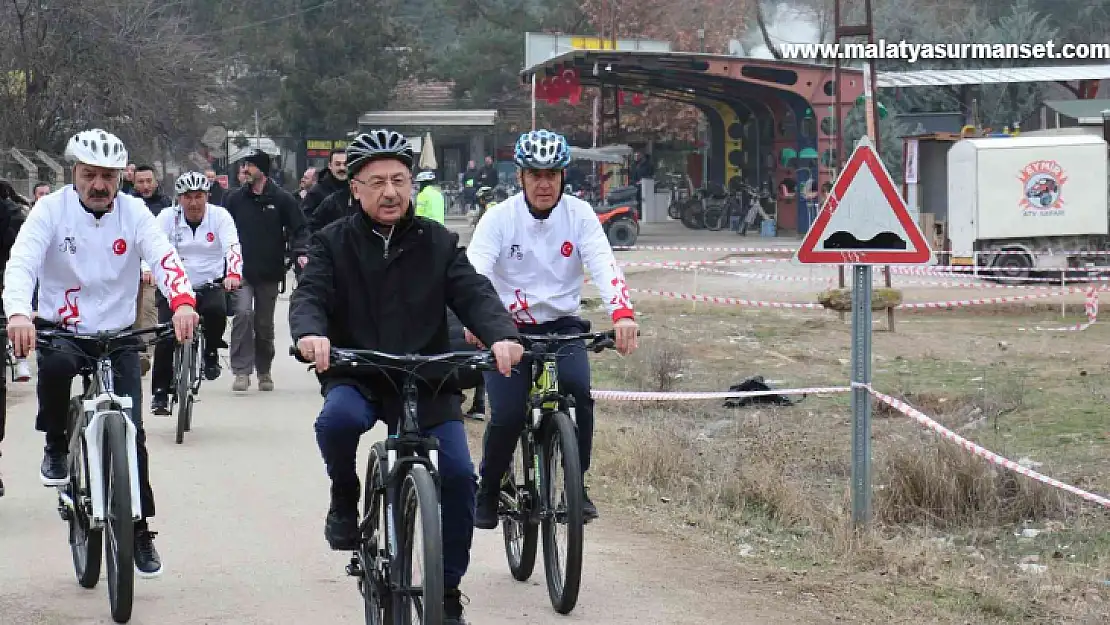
pixel 382 279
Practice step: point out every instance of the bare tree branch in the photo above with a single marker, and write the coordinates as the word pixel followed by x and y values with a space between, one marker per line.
pixel 759 19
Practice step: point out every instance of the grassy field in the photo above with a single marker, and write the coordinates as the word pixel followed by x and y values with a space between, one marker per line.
pixel 954 539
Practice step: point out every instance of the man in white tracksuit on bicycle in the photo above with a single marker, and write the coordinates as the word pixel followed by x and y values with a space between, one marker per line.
pixel 532 247
pixel 84 244
pixel 208 243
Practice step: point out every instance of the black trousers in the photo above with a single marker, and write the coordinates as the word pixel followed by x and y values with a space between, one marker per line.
pixel 57 368
pixel 212 307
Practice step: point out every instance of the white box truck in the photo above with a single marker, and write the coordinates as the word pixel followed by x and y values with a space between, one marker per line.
pixel 1034 199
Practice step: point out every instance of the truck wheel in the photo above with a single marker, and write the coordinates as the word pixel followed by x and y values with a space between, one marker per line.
pixel 622 233
pixel 1013 266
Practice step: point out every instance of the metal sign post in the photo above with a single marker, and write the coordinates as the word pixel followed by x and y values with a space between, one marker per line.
pixel 861 360
pixel 861 397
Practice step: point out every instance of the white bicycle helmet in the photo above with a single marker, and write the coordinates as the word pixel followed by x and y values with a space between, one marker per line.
pixel 426 176
pixel 191 181
pixel 377 144
pixel 98 148
pixel 542 149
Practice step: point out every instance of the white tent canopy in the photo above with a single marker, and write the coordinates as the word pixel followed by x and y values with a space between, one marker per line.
pixel 603 154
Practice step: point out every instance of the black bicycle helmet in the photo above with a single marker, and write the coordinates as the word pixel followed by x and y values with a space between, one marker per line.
pixel 377 144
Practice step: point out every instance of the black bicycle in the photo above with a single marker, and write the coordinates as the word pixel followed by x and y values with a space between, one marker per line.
pixel 548 446
pixel 101 497
pixel 402 489
pixel 188 367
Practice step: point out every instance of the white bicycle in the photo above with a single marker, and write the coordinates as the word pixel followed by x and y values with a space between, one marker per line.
pixel 101 497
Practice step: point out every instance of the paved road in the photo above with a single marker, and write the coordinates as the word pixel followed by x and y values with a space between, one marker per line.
pixel 240 511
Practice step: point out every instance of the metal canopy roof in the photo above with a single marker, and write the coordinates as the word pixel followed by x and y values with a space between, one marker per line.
pixel 670 62
pixel 659 61
pixel 1083 111
pixel 428 118
pixel 942 77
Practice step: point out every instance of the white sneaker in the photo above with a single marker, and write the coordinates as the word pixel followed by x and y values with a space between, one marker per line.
pixel 22 370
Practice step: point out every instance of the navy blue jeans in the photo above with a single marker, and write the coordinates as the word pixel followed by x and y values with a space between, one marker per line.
pixel 508 400
pixel 347 415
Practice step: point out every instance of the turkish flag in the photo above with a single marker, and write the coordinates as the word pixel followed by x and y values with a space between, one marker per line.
pixel 555 90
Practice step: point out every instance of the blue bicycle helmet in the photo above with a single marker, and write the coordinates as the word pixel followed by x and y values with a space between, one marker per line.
pixel 542 149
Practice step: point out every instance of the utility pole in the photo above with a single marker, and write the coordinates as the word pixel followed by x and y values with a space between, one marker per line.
pixel 845 31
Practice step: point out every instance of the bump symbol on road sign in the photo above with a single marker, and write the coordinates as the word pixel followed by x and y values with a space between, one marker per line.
pixel 864 220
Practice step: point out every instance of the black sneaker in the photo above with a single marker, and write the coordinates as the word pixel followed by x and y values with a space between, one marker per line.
pixel 212 368
pixel 453 607
pixel 341 528
pixel 53 471
pixel 477 411
pixel 147 561
pixel 485 512
pixel 589 510
pixel 160 404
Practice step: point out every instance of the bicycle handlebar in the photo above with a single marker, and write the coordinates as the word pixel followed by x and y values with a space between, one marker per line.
pixel 598 341
pixel 106 342
pixel 477 360
pixel 218 283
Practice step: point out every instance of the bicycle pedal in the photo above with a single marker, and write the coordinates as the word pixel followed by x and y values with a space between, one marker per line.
pixel 354 569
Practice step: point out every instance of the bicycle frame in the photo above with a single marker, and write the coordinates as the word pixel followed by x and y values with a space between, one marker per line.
pixel 402 452
pixel 374 563
pixel 99 401
pixel 544 397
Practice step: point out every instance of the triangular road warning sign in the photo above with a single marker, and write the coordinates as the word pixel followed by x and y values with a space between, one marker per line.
pixel 864 220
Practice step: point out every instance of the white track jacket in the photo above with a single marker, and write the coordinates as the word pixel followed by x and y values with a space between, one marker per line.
pixel 88 268
pixel 536 264
pixel 207 251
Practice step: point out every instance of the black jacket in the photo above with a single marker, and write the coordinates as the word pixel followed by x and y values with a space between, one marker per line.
pixel 156 202
pixel 269 224
pixel 12 217
pixel 325 186
pixel 360 297
pixel 336 206
pixel 217 194
pixel 487 177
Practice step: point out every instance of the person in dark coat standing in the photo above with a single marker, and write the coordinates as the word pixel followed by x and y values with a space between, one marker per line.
pixel 332 179
pixel 270 222
pixel 13 210
pixel 217 192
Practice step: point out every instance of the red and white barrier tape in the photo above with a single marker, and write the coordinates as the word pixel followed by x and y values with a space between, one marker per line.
pixel 963 271
pixel 693 395
pixel 791 250
pixel 896 404
pixel 667 264
pixel 976 285
pixel 989 300
pixel 732 301
pixel 982 452
pixel 755 276
pixel 1090 307
pixel 684 248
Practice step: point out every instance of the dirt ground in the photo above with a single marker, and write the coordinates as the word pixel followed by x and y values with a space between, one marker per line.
pixel 710 515
pixel 954 541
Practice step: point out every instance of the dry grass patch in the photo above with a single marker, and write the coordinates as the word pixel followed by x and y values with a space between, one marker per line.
pixel 937 484
pixel 676 458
